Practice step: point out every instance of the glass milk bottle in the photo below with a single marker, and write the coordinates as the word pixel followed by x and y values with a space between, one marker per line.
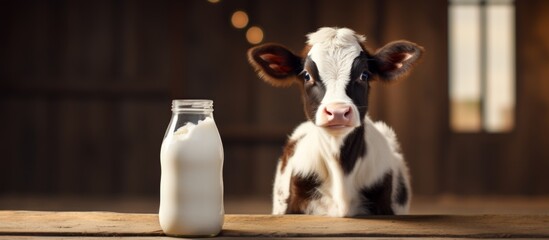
pixel 191 186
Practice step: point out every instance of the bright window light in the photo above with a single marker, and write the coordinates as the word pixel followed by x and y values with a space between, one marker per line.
pixel 482 67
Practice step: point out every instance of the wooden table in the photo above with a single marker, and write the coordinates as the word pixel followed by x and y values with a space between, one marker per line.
pixel 72 225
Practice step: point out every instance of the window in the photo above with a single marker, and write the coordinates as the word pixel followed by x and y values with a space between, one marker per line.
pixel 482 67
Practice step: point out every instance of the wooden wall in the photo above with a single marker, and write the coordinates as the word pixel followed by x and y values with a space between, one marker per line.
pixel 85 91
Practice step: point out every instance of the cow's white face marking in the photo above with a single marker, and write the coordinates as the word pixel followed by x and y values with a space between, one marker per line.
pixel 334 51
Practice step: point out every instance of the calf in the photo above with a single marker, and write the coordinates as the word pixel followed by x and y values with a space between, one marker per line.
pixel 339 162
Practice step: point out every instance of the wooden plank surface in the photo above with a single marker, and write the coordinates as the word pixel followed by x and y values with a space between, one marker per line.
pixel 35 223
pixel 78 223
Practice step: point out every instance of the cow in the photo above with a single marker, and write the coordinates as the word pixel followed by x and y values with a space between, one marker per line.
pixel 339 162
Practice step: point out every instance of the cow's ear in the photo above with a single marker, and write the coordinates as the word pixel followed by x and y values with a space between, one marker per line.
pixel 275 64
pixel 395 60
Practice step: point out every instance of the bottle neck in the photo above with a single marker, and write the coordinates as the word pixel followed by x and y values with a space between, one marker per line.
pixel 192 106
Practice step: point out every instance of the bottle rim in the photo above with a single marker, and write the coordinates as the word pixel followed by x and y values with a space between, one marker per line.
pixel 192 105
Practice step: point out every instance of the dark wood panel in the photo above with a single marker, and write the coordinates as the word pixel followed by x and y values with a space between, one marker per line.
pixel 417 106
pixel 49 89
pixel 531 157
pixel 78 74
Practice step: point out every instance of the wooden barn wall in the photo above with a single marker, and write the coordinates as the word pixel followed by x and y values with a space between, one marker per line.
pixel 85 91
pixel 515 162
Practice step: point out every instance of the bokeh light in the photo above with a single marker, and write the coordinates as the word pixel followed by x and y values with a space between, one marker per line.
pixel 254 35
pixel 239 19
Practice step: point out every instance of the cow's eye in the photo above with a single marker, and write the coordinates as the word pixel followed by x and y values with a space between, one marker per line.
pixel 364 76
pixel 306 76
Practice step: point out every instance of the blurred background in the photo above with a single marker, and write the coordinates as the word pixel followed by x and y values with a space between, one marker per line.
pixel 86 90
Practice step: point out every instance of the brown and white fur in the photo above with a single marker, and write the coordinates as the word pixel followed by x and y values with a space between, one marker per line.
pixel 339 162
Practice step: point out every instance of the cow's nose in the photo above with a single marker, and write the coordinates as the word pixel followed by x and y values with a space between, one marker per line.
pixel 337 111
pixel 338 114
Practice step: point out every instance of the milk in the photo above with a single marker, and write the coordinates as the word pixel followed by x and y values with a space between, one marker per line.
pixel 191 185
